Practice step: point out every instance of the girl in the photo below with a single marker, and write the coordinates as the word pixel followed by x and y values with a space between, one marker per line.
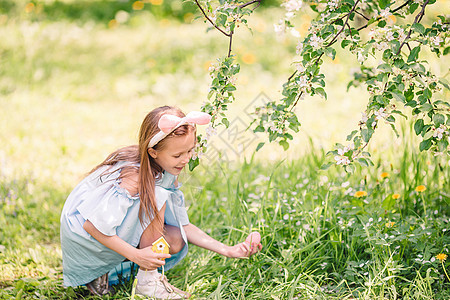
pixel 128 202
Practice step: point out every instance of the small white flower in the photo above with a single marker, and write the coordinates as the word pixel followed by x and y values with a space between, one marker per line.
pixel 315 41
pixel 302 81
pixel 439 132
pixel 381 114
pixel 295 33
pixel 279 28
pixel 342 160
pixel 389 35
pixel 436 40
pixel 385 13
pixel 292 5
pixel 299 48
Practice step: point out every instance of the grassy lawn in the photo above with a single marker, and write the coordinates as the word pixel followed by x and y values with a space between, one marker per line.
pixel 74 87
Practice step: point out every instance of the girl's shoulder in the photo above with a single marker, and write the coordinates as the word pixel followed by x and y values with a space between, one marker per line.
pixel 129 178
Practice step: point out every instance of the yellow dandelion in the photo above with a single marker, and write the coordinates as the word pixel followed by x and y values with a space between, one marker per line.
pixel 29 7
pixel 421 188
pixel 395 196
pixel 150 63
pixel 113 24
pixel 360 194
pixel 442 257
pixel 249 58
pixel 156 2
pixel 391 19
pixel 138 5
pixel 385 175
pixel 390 224
pixel 188 17
pixel 164 22
pixel 207 65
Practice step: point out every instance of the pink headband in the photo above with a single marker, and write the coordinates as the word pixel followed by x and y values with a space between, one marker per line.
pixel 168 123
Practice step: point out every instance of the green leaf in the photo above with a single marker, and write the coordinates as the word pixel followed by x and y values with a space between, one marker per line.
pixel 351 135
pixel 326 166
pixel 385 68
pixel 363 162
pixel 399 97
pixel 442 145
pixel 426 107
pixel 425 145
pixel 388 203
pixel 417 27
pixel 414 54
pixel 321 92
pixel 428 135
pixel 418 126
pixel 193 163
pixel 345 43
pixel 225 122
pixel 418 67
pixel 284 144
pixel 445 83
pixel 365 134
pixel 349 168
pixel 438 120
pixel 330 52
pixel 413 7
pixel 260 145
pixel 446 51
pixel 384 3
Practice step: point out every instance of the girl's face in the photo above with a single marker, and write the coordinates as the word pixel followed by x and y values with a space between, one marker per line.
pixel 176 153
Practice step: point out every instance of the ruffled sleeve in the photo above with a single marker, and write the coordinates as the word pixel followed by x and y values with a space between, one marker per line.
pixel 107 205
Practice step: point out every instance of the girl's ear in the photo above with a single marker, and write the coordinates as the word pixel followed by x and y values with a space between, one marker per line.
pixel 153 153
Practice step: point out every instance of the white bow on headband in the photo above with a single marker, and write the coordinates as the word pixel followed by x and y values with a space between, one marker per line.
pixel 168 123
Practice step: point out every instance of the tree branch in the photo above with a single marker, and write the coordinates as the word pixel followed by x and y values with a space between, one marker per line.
pixel 416 20
pixel 343 26
pixel 250 3
pixel 357 12
pixel 210 21
pixel 379 18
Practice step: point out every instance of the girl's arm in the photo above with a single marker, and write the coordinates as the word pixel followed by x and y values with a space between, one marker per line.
pixel 144 257
pixel 199 238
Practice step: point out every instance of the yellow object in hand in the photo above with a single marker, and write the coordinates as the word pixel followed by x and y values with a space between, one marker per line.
pixel 160 246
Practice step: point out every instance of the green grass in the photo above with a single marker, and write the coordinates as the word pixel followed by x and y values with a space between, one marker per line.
pixel 73 90
pixel 320 242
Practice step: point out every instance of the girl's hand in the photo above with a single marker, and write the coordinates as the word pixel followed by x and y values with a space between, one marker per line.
pixel 147 259
pixel 251 246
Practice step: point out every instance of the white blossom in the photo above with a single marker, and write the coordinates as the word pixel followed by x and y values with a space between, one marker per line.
pixel 299 48
pixel 385 13
pixel 279 28
pixel 342 160
pixel 315 41
pixel 381 114
pixel 436 40
pixel 364 118
pixel 292 5
pixel 440 132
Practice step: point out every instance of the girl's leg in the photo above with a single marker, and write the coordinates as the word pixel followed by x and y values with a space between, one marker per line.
pixel 172 235
pixel 150 282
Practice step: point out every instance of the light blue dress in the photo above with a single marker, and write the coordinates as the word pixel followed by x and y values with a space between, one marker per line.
pixel 100 199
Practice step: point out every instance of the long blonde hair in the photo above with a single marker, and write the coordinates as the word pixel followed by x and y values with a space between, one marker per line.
pixel 142 163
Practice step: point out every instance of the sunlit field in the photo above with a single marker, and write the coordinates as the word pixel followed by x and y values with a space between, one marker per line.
pixel 76 80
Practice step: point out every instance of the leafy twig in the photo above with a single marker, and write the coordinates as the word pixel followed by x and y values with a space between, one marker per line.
pixel 416 20
pixel 210 21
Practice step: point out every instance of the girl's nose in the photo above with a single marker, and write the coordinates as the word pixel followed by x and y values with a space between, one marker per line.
pixel 186 158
